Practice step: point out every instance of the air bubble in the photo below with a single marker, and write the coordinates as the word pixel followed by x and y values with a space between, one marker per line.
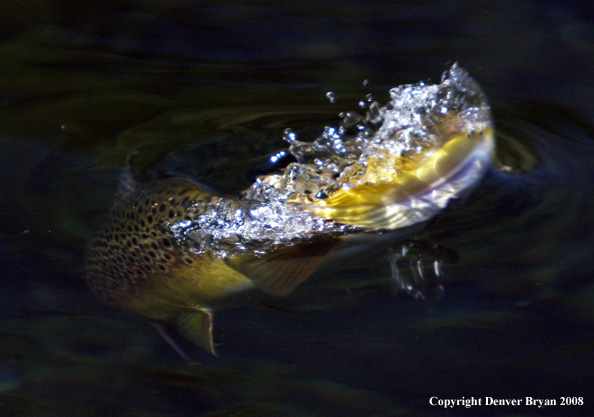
pixel 270 213
pixel 289 136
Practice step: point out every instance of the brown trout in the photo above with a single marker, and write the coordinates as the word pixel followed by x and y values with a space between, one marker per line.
pixel 174 253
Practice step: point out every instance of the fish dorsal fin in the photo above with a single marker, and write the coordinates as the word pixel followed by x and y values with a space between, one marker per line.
pixel 196 326
pixel 131 176
pixel 281 271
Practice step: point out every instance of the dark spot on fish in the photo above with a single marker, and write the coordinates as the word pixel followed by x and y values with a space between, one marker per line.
pixel 322 195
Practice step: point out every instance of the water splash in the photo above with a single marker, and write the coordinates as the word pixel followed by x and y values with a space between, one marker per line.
pixel 363 150
pixel 418 117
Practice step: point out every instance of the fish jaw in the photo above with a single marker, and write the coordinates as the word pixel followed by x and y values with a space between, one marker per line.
pixel 413 195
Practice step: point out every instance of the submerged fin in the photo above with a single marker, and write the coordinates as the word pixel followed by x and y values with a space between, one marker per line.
pixel 187 350
pixel 139 169
pixel 131 176
pixel 196 326
pixel 282 271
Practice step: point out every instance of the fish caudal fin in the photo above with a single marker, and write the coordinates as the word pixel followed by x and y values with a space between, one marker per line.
pixel 389 198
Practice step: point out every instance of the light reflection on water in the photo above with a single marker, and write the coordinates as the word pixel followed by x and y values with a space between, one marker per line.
pixel 79 92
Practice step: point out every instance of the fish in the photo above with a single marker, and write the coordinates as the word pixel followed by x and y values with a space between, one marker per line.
pixel 135 264
pixel 175 252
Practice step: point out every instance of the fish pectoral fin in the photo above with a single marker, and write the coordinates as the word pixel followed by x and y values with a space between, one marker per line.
pixel 281 271
pixel 196 326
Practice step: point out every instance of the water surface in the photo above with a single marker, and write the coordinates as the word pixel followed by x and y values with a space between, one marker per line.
pixel 82 85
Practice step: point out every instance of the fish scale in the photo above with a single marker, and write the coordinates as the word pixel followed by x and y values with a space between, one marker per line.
pixel 174 253
pixel 132 248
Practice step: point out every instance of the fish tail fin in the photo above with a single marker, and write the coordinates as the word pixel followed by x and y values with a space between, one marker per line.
pixel 394 193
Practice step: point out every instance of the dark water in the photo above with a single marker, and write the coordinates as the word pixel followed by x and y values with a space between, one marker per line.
pixel 82 85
